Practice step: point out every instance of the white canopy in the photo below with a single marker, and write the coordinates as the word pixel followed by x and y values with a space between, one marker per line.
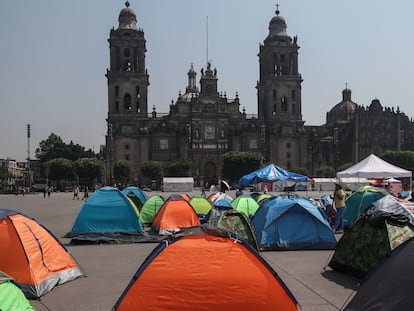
pixel 374 167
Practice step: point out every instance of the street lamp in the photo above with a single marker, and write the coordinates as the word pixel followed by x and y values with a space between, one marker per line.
pixel 110 150
pixel 28 157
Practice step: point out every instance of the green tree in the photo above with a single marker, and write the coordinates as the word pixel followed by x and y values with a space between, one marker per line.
pixel 403 159
pixel 122 171
pixel 236 164
pixel 89 170
pixel 53 147
pixel 4 174
pixel 300 170
pixel 61 169
pixel 152 170
pixel 345 166
pixel 178 168
pixel 325 171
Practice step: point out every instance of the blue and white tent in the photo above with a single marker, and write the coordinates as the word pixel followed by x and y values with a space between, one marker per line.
pixel 283 223
pixel 270 173
pixel 107 215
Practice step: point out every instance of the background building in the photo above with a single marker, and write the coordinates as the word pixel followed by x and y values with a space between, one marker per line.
pixel 204 123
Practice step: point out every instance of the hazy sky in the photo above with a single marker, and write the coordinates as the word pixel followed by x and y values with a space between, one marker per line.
pixel 54 56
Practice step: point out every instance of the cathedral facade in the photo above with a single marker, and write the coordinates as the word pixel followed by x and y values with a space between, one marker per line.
pixel 203 123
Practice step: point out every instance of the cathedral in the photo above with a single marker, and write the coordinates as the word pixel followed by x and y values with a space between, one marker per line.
pixel 203 123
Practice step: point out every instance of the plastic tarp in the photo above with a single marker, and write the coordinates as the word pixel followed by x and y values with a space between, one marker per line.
pixel 270 173
pixel 359 201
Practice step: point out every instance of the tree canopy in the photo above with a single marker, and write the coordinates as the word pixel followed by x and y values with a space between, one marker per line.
pixel 53 147
pixel 237 164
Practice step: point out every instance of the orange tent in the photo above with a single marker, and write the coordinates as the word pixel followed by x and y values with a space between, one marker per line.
pixel 175 214
pixel 206 269
pixel 30 254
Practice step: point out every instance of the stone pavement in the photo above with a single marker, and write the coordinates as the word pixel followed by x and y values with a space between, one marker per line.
pixel 110 267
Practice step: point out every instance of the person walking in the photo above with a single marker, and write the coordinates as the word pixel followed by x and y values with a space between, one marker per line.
pixel 339 203
pixel 76 192
pixel 85 193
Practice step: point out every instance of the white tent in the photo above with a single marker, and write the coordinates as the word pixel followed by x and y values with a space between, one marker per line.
pixel 374 167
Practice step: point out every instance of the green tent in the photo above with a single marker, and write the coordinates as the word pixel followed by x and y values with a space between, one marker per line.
pixel 201 205
pixel 150 209
pixel 365 243
pixel 11 296
pixel 245 204
pixel 359 201
pixel 263 197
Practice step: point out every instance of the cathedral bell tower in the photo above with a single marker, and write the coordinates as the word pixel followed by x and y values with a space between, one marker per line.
pixel 279 95
pixel 128 83
pixel 127 77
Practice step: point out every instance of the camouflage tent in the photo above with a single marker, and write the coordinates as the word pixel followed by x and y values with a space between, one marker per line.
pixel 375 234
pixel 235 222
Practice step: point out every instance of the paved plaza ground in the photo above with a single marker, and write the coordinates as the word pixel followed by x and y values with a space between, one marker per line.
pixel 110 267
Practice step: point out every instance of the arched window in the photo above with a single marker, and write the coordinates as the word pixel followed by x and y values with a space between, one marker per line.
pixel 117 106
pixel 127 65
pixel 116 90
pixel 284 103
pixel 127 102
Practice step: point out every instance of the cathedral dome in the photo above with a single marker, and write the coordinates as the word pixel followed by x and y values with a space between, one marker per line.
pixel 277 26
pixel 127 18
pixel 343 111
pixel 277 29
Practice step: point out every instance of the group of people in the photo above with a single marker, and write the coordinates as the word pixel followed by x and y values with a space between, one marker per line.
pixel 76 192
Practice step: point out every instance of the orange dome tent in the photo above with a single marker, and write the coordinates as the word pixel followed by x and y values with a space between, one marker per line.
pixel 32 256
pixel 175 214
pixel 206 269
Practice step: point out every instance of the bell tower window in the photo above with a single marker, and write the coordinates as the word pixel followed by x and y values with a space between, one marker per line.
pixel 127 66
pixel 126 53
pixel 127 102
pixel 284 103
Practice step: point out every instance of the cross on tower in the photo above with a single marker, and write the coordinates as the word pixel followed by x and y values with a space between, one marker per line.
pixel 277 9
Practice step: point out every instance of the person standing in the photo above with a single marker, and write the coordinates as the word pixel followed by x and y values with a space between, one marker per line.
pixel 76 192
pixel 339 203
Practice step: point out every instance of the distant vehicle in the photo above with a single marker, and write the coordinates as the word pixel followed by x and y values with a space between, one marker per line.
pixel 39 187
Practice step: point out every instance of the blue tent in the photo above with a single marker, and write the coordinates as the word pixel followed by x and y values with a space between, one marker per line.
pixel 137 192
pixel 283 223
pixel 136 195
pixel 107 215
pixel 270 173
